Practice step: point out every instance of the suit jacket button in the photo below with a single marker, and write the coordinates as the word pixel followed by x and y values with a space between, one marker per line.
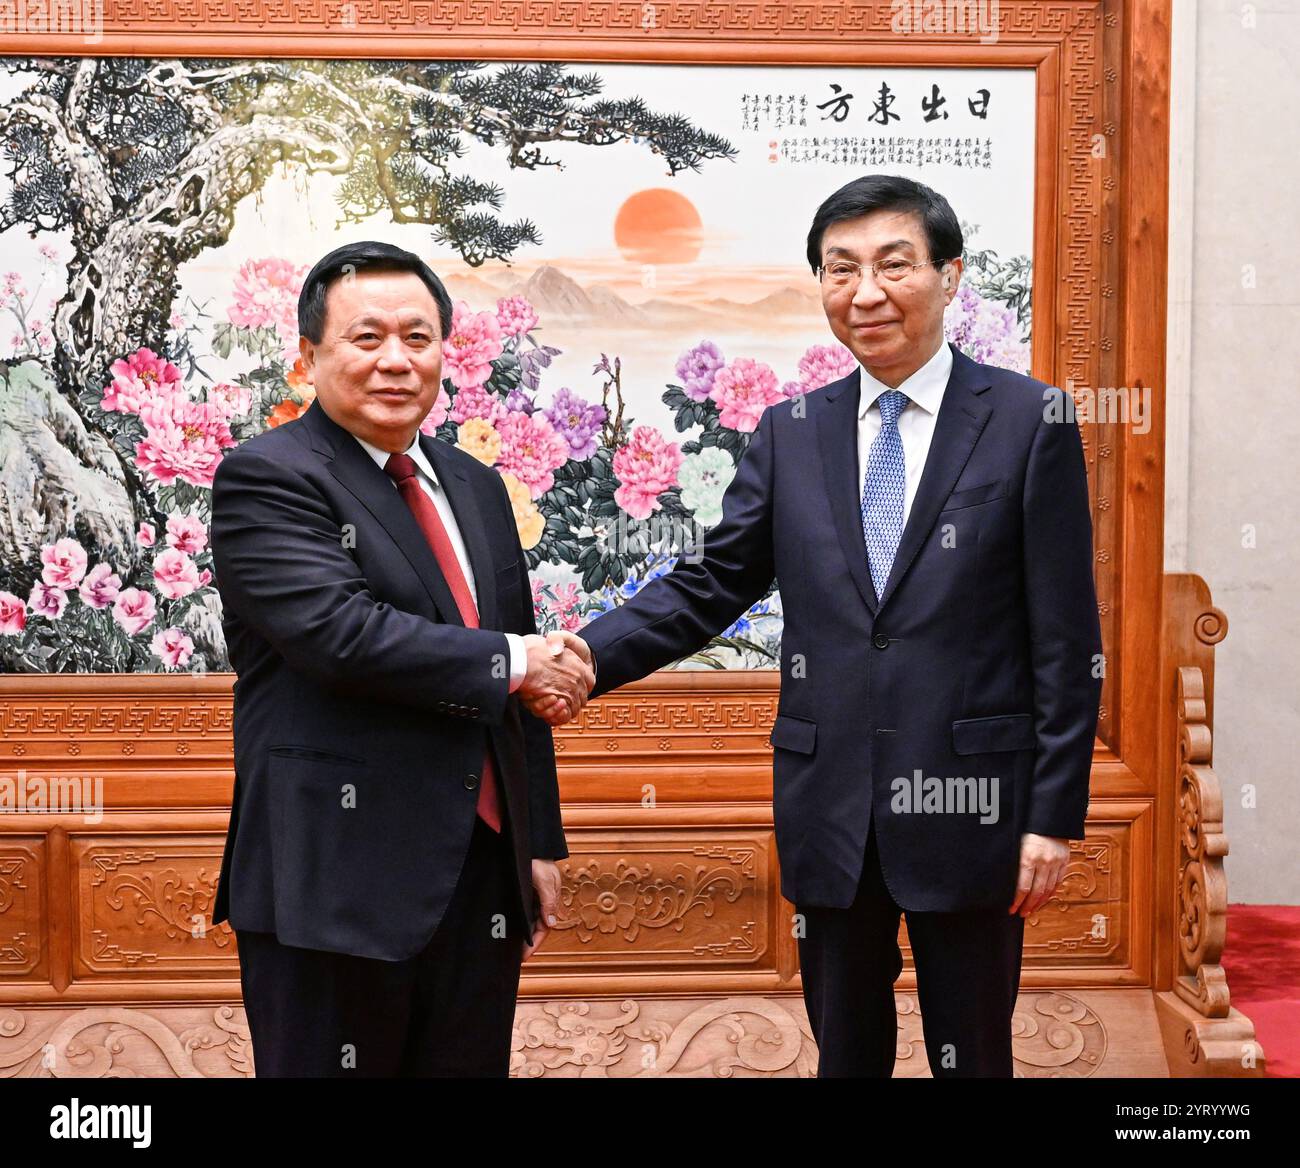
pixel 880 641
pixel 473 711
pixel 441 707
pixel 471 781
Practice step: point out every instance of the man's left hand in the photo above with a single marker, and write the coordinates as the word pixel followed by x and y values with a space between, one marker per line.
pixel 546 880
pixel 1042 864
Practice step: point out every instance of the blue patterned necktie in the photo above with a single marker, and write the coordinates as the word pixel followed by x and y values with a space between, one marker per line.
pixel 883 490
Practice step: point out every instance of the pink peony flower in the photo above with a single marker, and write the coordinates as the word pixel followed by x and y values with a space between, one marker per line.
pixel 13 615
pixel 266 296
pixel 743 390
pixel 234 401
pixel 438 414
pixel 646 467
pixel 477 402
pixel 531 450
pixel 567 603
pixel 138 379
pixel 134 610
pixel 175 574
pixel 473 341
pixel 183 440
pixel 100 587
pixel 515 315
pixel 63 563
pixel 822 364
pixel 187 533
pixel 46 600
pixel 173 646
pixel 145 536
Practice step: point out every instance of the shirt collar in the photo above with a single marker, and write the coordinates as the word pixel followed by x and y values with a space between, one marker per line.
pixel 925 387
pixel 415 451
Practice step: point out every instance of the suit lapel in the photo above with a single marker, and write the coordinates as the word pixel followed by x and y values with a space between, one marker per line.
pixel 962 415
pixel 837 443
pixel 356 470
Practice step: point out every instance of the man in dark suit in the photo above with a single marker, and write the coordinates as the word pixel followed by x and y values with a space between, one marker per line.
pixel 927 521
pixel 390 858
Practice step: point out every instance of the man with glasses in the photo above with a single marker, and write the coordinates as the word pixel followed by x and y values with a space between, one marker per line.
pixel 927 520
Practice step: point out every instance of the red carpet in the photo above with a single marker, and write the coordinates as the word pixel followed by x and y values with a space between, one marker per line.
pixel 1262 961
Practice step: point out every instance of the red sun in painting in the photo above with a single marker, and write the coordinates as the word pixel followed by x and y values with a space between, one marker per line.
pixel 658 226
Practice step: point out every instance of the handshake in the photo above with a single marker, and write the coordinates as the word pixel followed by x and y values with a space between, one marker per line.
pixel 560 677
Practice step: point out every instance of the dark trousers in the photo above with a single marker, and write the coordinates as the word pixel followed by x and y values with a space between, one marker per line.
pixel 967 976
pixel 447 1011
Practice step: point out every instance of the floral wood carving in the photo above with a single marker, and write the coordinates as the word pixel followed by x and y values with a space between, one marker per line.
pixel 1202 885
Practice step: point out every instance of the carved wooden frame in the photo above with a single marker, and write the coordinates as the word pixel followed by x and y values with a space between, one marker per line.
pixel 1099 312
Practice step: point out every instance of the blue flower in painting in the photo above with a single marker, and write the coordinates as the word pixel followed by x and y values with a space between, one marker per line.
pixel 745 624
pixel 652 569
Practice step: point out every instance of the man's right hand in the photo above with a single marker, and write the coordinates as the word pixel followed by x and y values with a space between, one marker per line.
pixel 559 678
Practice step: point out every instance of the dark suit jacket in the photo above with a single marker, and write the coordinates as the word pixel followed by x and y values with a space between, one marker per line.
pixel 363 705
pixel 977 662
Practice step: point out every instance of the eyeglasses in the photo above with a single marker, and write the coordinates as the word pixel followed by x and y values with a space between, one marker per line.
pixel 842 273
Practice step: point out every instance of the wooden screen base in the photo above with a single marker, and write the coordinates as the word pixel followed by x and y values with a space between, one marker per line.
pixel 1062 1033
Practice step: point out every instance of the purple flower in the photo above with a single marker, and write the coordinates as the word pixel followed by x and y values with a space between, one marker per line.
pixel 696 368
pixel 577 422
pixel 519 401
pixel 985 330
pixel 47 600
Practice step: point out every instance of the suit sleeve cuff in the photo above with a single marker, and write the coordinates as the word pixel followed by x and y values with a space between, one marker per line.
pixel 518 660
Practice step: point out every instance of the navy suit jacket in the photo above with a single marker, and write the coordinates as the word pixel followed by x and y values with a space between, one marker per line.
pixel 979 661
pixel 363 705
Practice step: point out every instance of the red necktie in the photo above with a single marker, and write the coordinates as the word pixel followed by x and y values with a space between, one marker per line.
pixel 401 468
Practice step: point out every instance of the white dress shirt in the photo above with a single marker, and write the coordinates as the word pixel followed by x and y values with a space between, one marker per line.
pixel 924 390
pixel 430 486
